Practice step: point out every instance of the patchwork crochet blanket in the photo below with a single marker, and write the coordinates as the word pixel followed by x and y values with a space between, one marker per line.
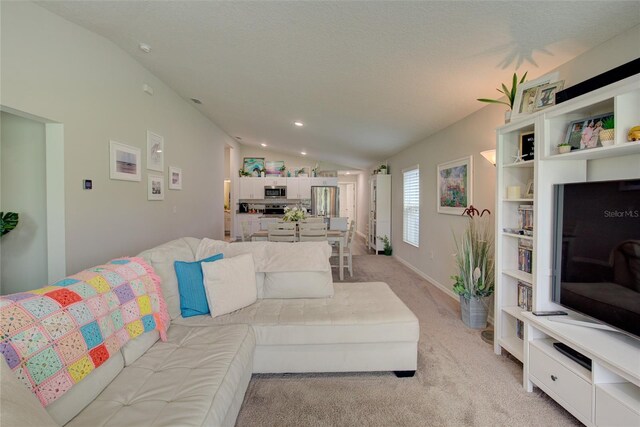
pixel 55 336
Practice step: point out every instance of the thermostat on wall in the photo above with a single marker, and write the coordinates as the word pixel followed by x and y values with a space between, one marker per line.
pixel 87 184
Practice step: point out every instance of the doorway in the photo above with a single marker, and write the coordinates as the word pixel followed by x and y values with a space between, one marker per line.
pixel 32 184
pixel 347 200
pixel 228 216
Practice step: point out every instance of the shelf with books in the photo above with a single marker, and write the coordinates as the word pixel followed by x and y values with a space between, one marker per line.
pixel 519 275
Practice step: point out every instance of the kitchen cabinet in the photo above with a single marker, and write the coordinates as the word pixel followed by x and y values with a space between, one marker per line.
pixel 298 188
pixel 324 181
pixel 275 181
pixel 251 188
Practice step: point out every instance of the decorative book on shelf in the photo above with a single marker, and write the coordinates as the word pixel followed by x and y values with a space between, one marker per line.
pixel 525 255
pixel 525 301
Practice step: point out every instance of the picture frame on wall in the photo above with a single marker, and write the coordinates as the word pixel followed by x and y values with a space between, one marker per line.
pixel 124 162
pixel 455 185
pixel 585 133
pixel 155 187
pixel 546 95
pixel 524 102
pixel 175 178
pixel 253 165
pixel 273 167
pixel 155 151
pixel 527 146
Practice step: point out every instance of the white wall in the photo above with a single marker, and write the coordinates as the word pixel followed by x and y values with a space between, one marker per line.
pixel 23 170
pixel 57 70
pixel 470 136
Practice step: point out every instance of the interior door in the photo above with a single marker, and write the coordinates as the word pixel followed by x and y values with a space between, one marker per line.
pixel 347 200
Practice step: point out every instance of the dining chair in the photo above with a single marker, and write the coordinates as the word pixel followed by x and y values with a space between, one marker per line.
pixel 312 219
pixel 347 250
pixel 246 231
pixel 313 232
pixel 282 232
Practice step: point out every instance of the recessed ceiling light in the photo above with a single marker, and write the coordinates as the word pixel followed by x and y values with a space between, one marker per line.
pixel 196 101
pixel 263 144
pixel 144 47
pixel 238 138
pixel 298 123
pixel 304 153
pixel 348 173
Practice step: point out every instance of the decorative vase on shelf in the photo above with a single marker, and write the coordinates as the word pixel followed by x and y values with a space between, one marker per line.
pixel 262 174
pixel 607 137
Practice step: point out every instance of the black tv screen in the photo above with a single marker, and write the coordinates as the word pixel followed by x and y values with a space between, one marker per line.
pixel 597 251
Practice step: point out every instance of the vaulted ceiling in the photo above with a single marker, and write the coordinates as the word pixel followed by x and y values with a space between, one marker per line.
pixel 367 78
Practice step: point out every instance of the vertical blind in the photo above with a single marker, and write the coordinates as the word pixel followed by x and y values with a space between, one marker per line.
pixel 411 208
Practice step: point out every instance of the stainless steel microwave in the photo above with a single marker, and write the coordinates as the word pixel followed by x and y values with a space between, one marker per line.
pixel 275 192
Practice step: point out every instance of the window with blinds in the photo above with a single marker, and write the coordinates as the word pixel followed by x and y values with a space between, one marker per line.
pixel 411 208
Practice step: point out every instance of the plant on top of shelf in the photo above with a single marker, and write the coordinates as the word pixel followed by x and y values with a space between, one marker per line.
pixel 564 147
pixel 242 172
pixel 509 93
pixel 607 134
pixel 474 282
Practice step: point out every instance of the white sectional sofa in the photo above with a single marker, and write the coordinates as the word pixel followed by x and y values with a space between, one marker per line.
pixel 199 376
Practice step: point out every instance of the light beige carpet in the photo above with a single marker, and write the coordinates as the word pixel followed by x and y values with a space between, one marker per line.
pixel 459 382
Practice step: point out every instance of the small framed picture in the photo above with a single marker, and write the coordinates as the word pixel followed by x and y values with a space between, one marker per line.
pixel 155 189
pixel 546 95
pixel 527 146
pixel 124 162
pixel 525 100
pixel 528 194
pixel 175 178
pixel 155 152
pixel 585 133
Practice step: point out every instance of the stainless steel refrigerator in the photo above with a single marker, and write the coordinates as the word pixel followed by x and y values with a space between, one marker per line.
pixel 325 201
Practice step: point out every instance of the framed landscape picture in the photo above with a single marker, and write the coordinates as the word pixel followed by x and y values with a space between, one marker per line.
pixel 273 167
pixel 253 165
pixel 455 186
pixel 124 162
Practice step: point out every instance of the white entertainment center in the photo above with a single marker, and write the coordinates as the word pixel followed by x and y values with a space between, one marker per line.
pixel 609 393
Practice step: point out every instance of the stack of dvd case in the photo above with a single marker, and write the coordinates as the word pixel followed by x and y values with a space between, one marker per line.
pixel 525 302
pixel 525 255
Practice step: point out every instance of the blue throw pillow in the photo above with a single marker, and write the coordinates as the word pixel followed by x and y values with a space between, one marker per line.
pixel 193 299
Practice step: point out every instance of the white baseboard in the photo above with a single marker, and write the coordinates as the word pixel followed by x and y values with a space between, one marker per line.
pixel 443 288
pixel 364 236
pixel 446 289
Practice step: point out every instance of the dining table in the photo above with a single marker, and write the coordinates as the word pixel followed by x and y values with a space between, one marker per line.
pixel 333 236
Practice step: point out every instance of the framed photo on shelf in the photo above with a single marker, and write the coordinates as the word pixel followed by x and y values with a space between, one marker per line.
pixel 454 184
pixel 124 162
pixel 155 188
pixel 175 178
pixel 546 95
pixel 527 146
pixel 585 133
pixel 155 152
pixel 525 100
pixel 528 193
pixel 253 165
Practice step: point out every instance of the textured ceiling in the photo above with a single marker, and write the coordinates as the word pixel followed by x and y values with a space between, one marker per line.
pixel 366 78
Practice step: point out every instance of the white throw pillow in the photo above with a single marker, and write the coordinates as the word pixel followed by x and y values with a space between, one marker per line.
pixel 230 284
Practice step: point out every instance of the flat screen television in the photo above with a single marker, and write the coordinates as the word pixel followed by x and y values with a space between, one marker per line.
pixel 597 251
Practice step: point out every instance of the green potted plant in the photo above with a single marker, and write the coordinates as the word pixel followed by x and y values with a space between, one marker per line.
pixel 382 170
pixel 509 93
pixel 608 132
pixel 8 221
pixel 565 147
pixel 474 282
pixel 263 172
pixel 283 170
pixel 242 172
pixel 388 250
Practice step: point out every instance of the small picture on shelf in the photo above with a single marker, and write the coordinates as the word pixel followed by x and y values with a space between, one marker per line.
pixel 546 95
pixel 528 194
pixel 527 146
pixel 586 133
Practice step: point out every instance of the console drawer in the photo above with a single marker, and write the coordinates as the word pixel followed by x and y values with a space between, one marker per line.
pixel 560 382
pixel 617 405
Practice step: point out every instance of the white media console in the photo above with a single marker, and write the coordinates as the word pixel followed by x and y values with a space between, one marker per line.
pixel 609 393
